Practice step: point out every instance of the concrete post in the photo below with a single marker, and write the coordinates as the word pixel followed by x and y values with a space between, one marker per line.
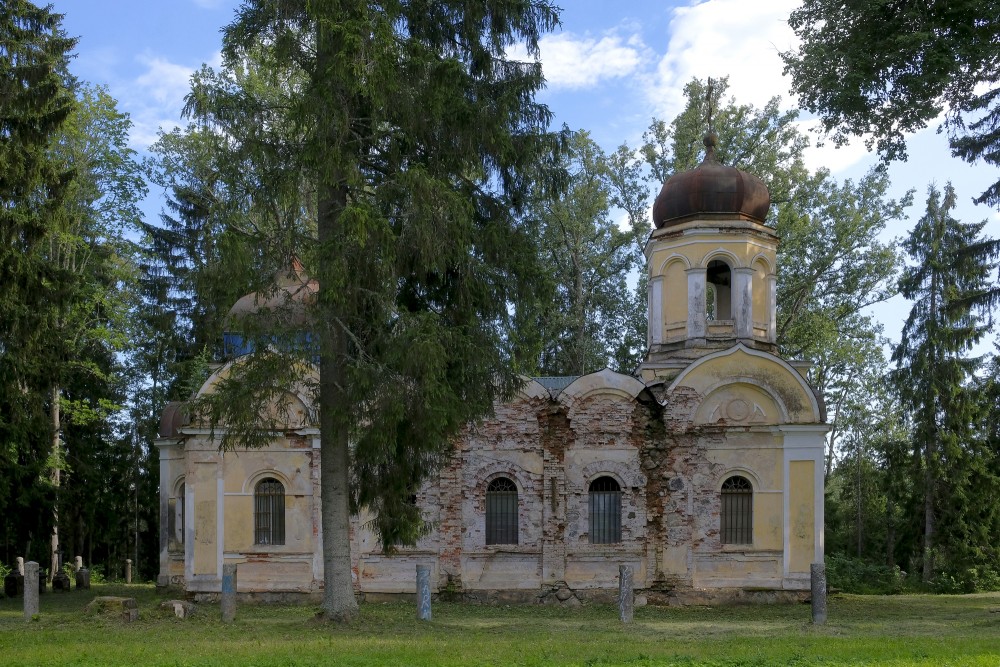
pixel 31 590
pixel 626 599
pixel 128 570
pixel 424 592
pixel 817 573
pixel 20 566
pixel 77 563
pixel 228 592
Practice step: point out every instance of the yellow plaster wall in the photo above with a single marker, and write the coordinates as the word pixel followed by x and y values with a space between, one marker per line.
pixel 675 298
pixel 239 522
pixel 801 515
pixel 768 521
pixel 204 485
pixel 706 376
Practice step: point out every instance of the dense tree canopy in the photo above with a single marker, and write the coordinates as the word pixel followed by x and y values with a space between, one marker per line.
pixel 884 70
pixel 413 140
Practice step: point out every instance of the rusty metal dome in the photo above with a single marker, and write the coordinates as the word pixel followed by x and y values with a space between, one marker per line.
pixel 711 188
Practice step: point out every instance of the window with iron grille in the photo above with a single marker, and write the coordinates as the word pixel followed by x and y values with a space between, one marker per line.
pixel 501 512
pixel 269 512
pixel 737 511
pixel 605 511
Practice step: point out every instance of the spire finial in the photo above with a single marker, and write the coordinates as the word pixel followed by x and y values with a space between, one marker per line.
pixel 711 138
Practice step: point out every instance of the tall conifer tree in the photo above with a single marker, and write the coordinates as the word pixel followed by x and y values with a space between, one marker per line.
pixel 34 104
pixel 952 266
pixel 419 139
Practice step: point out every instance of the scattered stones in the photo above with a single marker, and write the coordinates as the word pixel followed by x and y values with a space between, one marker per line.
pixel 127 609
pixel 564 594
pixel 180 608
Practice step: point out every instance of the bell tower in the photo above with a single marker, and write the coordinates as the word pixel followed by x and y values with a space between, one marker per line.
pixel 711 263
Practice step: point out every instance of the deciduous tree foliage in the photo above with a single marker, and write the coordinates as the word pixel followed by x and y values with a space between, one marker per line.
pixel 419 140
pixel 883 70
pixel 575 327
pixel 934 370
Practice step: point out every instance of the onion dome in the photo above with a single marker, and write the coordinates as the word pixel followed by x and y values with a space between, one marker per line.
pixel 293 292
pixel 711 188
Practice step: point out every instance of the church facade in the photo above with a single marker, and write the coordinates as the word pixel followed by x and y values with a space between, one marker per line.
pixel 704 471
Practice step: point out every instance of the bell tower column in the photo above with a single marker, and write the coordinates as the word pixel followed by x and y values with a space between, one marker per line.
pixel 655 311
pixel 696 322
pixel 743 301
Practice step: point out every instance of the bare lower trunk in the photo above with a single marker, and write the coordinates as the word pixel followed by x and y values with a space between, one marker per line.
pixel 55 476
pixel 339 603
pixel 928 572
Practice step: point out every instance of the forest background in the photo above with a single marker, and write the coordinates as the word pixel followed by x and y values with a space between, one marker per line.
pixel 132 310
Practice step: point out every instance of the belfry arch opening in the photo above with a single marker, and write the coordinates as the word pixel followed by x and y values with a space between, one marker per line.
pixel 718 292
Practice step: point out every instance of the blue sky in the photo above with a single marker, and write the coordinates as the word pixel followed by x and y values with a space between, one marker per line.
pixel 611 67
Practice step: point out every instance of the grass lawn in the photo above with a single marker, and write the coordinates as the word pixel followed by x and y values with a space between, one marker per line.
pixel 898 630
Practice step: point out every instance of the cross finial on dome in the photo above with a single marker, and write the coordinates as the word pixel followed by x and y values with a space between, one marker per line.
pixel 711 140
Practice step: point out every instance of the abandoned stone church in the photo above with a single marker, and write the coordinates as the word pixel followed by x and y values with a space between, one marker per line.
pixel 704 471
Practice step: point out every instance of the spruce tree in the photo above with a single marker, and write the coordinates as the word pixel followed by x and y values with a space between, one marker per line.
pixel 951 266
pixel 415 140
pixel 34 104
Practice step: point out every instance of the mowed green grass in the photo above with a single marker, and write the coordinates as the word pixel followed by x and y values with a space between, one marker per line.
pixel 861 630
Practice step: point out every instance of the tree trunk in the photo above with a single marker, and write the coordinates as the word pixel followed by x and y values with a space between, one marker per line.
pixel 928 572
pixel 55 477
pixel 339 603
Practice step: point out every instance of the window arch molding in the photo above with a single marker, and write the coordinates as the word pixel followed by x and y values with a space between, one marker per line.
pixel 721 255
pixel 738 472
pixel 250 483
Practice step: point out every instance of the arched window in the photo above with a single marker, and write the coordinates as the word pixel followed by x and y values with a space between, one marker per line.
pixel 605 511
pixel 269 512
pixel 501 512
pixel 718 291
pixel 737 511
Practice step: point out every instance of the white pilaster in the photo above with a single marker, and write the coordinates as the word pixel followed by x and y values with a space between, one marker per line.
pixel 743 301
pixel 655 295
pixel 772 308
pixel 696 325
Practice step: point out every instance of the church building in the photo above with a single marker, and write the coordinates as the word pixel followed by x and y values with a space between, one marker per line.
pixel 704 471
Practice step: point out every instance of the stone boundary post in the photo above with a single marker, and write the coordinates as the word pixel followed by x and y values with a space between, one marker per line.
pixel 817 574
pixel 77 563
pixel 128 570
pixel 424 592
pixel 228 592
pixel 30 590
pixel 626 598
pixel 20 565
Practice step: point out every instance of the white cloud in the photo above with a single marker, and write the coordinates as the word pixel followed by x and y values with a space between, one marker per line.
pixel 584 62
pixel 741 40
pixel 164 81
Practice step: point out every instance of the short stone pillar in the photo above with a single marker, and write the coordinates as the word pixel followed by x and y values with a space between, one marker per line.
pixel 13 585
pixel 20 566
pixel 228 592
pixel 60 582
pixel 128 570
pixel 817 573
pixel 424 592
pixel 83 579
pixel 626 597
pixel 77 563
pixel 31 574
